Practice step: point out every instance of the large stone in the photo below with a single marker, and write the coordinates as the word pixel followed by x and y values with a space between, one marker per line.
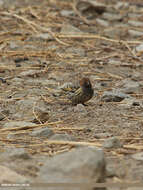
pixel 121 5
pixel 112 16
pixel 130 86
pixel 63 137
pixel 15 153
pixel 44 36
pixel 114 32
pixel 102 22
pixel 114 96
pixel 67 13
pixel 135 23
pixel 43 132
pixel 13 124
pixel 69 29
pixel 7 175
pixel 138 156
pixel 81 165
pixel 134 33
pixel 24 109
pixel 75 51
pixel 112 142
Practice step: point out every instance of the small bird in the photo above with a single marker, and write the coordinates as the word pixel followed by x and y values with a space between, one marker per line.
pixel 78 94
pixel 83 93
pixel 75 93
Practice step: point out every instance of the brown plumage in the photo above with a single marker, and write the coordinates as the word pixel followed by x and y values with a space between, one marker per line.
pixel 83 93
pixel 77 94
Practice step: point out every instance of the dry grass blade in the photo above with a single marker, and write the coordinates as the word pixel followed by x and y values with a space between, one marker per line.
pixel 50 54
pixel 36 117
pixel 90 36
pixel 22 131
pixel 73 143
pixel 132 146
pixel 29 127
pixel 132 52
pixel 5 116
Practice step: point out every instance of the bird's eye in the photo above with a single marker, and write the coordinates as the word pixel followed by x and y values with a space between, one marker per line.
pixel 87 84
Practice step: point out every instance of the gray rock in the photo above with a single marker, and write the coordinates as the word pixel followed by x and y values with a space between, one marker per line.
pixel 112 142
pixel 135 23
pixel 113 32
pixel 130 86
pixel 134 15
pixel 129 102
pixel 69 29
pixel 139 48
pixel 121 5
pixel 114 62
pixel 30 47
pixel 138 156
pixel 110 170
pixel 102 135
pixel 66 13
pixel 102 22
pixel 58 76
pixel 36 91
pixel 19 95
pixel 80 165
pixel 114 96
pixel 44 36
pixel 17 81
pixel 136 76
pixel 13 45
pixel 24 109
pixel 112 16
pixel 76 51
pixel 16 153
pixel 29 73
pixel 97 5
pixel 13 136
pixel 13 124
pixel 62 137
pixel 43 132
pixel 7 175
pixel 1 3
pixel 134 33
pixel 80 108
pixel 41 82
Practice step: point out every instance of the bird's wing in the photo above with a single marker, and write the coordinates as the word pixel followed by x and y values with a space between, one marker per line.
pixel 69 87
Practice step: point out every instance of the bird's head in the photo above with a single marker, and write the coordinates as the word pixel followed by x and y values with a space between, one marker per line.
pixel 85 82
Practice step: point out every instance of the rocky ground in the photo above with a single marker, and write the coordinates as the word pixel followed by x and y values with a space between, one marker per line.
pixel 45 44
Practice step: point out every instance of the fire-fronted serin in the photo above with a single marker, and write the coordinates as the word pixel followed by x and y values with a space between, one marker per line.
pixel 83 93
pixel 77 94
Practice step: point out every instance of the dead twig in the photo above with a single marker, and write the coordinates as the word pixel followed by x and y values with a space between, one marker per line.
pixel 91 36
pixel 29 127
pixel 36 117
